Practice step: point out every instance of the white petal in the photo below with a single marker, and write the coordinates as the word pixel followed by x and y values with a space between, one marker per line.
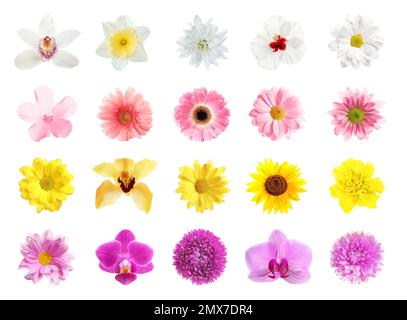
pixel 27 59
pixel 66 37
pixel 65 59
pixel 119 64
pixel 139 55
pixel 273 25
pixel 104 50
pixel 142 33
pixel 108 28
pixel 47 27
pixel 30 37
pixel 123 22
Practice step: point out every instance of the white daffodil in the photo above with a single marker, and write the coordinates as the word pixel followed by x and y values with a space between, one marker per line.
pixel 123 42
pixel 203 43
pixel 282 41
pixel 46 45
pixel 356 42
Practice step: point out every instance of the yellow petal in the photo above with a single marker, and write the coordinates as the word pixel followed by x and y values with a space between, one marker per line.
pixel 347 204
pixel 124 165
pixel 107 170
pixel 107 194
pixel 142 196
pixel 143 168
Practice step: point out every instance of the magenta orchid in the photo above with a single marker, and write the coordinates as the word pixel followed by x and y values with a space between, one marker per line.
pixel 46 116
pixel 126 257
pixel 279 258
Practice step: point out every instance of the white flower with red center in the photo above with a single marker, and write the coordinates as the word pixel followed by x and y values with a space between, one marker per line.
pixel 45 45
pixel 356 42
pixel 282 41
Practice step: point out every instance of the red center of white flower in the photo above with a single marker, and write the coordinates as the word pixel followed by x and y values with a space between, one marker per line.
pixel 278 268
pixel 47 47
pixel 278 43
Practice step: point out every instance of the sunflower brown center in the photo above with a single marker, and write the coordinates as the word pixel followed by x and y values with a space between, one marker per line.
pixel 125 117
pixel 276 185
pixel 202 114
pixel 44 259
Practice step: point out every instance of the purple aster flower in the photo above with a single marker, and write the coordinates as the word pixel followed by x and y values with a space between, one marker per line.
pixel 356 257
pixel 200 257
pixel 279 258
pixel 125 257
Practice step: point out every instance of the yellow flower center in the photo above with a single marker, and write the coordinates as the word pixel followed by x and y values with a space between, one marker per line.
pixel 47 183
pixel 358 185
pixel 202 44
pixel 125 117
pixel 277 113
pixel 123 43
pixel 44 259
pixel 201 186
pixel 357 41
pixel 356 115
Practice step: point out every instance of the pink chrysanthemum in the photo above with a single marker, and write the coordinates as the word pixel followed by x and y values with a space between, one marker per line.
pixel 125 115
pixel 46 256
pixel 277 113
pixel 358 114
pixel 202 115
pixel 356 257
pixel 200 257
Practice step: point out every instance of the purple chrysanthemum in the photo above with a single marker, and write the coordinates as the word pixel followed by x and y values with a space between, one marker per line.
pixel 200 257
pixel 356 257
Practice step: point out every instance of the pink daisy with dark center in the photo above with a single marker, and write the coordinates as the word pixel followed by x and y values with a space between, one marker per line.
pixel 202 115
pixel 356 115
pixel 357 257
pixel 200 257
pixel 125 115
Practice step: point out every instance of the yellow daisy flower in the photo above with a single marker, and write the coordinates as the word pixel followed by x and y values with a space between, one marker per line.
pixel 276 185
pixel 125 175
pixel 202 186
pixel 46 184
pixel 355 185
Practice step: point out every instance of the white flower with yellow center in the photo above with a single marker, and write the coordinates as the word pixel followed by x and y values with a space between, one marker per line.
pixel 356 42
pixel 45 45
pixel 123 42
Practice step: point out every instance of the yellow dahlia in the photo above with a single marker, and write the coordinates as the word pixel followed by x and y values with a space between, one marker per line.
pixel 46 184
pixel 202 186
pixel 355 185
pixel 125 175
pixel 276 185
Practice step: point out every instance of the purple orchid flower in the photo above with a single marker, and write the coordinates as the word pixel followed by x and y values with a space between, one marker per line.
pixel 279 258
pixel 125 257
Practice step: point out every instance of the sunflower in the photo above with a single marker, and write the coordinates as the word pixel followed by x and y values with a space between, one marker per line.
pixel 276 185
pixel 202 186
pixel 355 185
pixel 46 184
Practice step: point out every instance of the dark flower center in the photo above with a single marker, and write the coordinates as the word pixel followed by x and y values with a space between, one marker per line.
pixel 125 117
pixel 276 185
pixel 47 47
pixel 202 114
pixel 278 269
pixel 127 186
pixel 356 115
pixel 278 43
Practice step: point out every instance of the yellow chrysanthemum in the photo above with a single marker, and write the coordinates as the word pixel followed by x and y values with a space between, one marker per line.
pixel 46 184
pixel 202 186
pixel 276 185
pixel 125 175
pixel 355 185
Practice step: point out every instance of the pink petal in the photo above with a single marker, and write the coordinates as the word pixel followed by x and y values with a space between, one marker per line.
pixel 279 240
pixel 39 131
pixel 259 256
pixel 29 112
pixel 45 99
pixel 142 269
pixel 109 252
pixel 298 277
pixel 61 127
pixel 113 269
pixel 298 255
pixel 140 253
pixel 126 278
pixel 260 275
pixel 64 109
pixel 125 237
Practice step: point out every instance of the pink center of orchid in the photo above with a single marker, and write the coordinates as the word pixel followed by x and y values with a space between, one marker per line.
pixel 47 47
pixel 125 266
pixel 278 43
pixel 278 268
pixel 47 118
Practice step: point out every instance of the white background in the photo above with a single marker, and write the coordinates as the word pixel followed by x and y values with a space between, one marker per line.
pixel 316 220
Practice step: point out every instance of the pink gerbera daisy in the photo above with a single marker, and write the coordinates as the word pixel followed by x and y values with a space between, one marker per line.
pixel 357 114
pixel 47 256
pixel 202 115
pixel 125 115
pixel 277 113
